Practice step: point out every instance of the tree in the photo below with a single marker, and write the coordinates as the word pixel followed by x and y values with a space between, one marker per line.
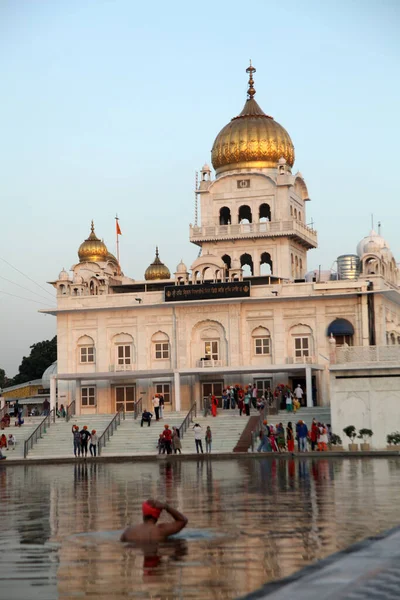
pixel 42 355
pixel 2 378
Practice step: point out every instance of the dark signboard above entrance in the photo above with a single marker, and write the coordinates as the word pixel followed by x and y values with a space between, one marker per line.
pixel 207 291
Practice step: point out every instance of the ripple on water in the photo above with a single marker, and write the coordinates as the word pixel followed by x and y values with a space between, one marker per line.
pixel 250 521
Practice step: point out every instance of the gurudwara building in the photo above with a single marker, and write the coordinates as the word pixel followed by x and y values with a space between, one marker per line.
pixel 247 310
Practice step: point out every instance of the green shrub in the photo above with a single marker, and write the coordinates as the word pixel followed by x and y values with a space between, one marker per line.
pixel 351 432
pixel 365 434
pixel 393 438
pixel 336 440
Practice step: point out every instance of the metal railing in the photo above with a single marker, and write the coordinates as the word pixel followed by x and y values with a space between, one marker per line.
pixel 109 431
pixel 255 433
pixel 70 411
pixel 137 408
pixel 187 420
pixel 39 431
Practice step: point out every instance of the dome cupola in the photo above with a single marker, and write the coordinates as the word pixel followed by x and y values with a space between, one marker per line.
pixel 92 249
pixel 252 139
pixel 157 270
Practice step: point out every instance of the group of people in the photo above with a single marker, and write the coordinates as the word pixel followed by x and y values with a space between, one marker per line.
pixel 169 441
pixel 7 443
pixel 81 439
pixel 243 398
pixel 198 438
pixel 275 439
pixel 19 420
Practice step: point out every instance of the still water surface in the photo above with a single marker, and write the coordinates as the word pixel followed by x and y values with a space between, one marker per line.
pixel 250 521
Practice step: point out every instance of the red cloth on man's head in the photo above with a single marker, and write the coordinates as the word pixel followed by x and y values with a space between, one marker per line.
pixel 150 511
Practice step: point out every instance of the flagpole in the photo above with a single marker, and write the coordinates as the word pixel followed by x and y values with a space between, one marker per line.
pixel 116 233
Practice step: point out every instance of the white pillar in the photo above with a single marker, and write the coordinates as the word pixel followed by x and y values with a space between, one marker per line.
pixel 309 387
pixel 53 392
pixel 78 397
pixel 2 402
pixel 177 386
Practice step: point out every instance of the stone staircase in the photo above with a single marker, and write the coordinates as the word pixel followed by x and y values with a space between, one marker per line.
pixel 57 442
pixel 21 434
pixel 130 438
pixel 226 429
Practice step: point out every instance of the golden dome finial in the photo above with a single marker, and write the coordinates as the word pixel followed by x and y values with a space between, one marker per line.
pixel 251 91
pixel 92 226
pixel 92 249
pixel 157 269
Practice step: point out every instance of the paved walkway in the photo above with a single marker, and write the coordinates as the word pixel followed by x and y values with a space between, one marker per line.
pixel 369 570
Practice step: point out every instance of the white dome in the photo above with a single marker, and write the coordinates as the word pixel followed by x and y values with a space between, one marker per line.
pixel 371 243
pixel 63 276
pixel 181 268
pixel 51 370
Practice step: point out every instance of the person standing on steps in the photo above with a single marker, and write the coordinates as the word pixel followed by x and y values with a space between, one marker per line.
pixel 161 400
pixel 240 406
pixel 298 392
pixel 85 437
pixel 247 399
pixel 198 434
pixel 214 406
pixel 167 440
pixel 290 437
pixel 77 440
pixel 156 406
pixel 254 393
pixel 93 443
pixel 176 441
pixel 208 439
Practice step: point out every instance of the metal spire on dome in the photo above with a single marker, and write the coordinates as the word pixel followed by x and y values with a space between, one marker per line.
pixel 92 226
pixel 251 91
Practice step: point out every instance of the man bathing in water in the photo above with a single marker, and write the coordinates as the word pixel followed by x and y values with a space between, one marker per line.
pixel 149 532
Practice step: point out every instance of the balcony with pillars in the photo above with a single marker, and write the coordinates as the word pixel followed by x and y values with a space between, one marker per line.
pixel 271 229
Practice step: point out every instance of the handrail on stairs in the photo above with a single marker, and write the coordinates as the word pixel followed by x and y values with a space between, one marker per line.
pixel 137 408
pixel 187 420
pixel 70 411
pixel 38 432
pixel 111 427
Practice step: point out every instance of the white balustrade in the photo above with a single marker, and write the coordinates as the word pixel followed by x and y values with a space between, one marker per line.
pixel 367 354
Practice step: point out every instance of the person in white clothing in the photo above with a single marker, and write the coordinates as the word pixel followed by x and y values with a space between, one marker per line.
pixel 198 435
pixel 11 441
pixel 156 405
pixel 298 392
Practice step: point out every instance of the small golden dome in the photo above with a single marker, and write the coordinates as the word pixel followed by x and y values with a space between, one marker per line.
pixel 252 139
pixel 92 249
pixel 157 270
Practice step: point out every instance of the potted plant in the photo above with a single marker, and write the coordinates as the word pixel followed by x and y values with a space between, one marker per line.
pixel 393 438
pixel 351 432
pixel 365 435
pixel 336 442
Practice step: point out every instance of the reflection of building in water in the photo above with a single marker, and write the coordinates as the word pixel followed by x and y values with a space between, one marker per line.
pixel 247 310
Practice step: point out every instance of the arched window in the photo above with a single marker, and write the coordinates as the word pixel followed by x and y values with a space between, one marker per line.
pixel 86 350
pixel 292 264
pixel 342 330
pixel 299 216
pixel 246 262
pixel 227 260
pixel 264 213
pixel 244 215
pixel 261 341
pixel 296 262
pixel 93 288
pixel 392 338
pixel 225 216
pixel 300 267
pixel 124 351
pixel 208 274
pixel 291 210
pixel 266 264
pixel 301 343
pixel 295 213
pixel 160 346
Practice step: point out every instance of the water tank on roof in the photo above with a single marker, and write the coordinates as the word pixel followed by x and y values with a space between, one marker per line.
pixel 348 266
pixel 318 276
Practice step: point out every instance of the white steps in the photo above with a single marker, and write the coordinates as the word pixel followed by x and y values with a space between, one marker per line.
pixel 21 434
pixel 57 442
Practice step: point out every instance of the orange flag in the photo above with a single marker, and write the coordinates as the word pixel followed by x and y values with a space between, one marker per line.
pixel 118 227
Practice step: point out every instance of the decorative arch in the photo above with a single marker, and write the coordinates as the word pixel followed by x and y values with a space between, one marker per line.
pixel 261 341
pixel 225 216
pixel 160 346
pixel 266 267
pixel 123 350
pixel 208 344
pixel 371 265
pixel 86 350
pixel 227 260
pixel 300 188
pixel 301 342
pixel 244 214
pixel 246 260
pixel 264 213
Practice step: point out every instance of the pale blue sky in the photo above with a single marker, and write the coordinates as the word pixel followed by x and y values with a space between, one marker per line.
pixel 110 106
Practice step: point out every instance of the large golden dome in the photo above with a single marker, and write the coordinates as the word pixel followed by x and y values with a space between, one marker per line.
pixel 252 139
pixel 93 249
pixel 157 270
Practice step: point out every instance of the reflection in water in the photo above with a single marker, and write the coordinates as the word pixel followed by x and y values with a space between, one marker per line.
pixel 250 521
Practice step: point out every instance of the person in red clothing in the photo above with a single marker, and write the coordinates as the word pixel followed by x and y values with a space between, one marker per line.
pixel 167 440
pixel 314 433
pixel 214 406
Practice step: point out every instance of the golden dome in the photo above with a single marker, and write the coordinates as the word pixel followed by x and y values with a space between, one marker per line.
pixel 157 270
pixel 252 139
pixel 93 249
